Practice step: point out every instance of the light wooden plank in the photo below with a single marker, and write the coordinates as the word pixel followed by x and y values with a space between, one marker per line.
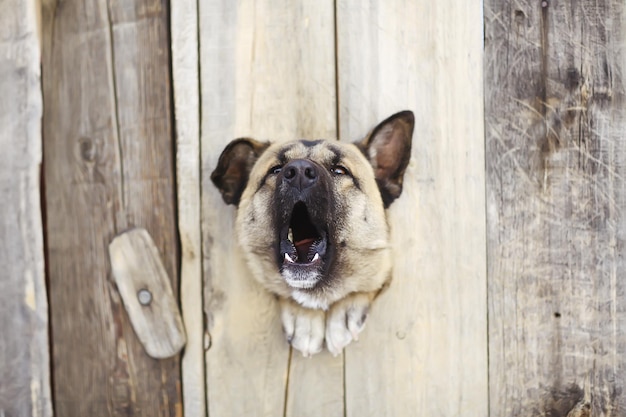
pixel 146 292
pixel 186 83
pixel 267 71
pixel 24 356
pixel 315 386
pixel 108 167
pixel 555 124
pixel 424 349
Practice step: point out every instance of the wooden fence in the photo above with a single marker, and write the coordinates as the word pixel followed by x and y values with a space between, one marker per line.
pixel 508 296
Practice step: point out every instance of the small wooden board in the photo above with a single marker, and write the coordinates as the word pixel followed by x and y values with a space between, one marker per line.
pixel 145 288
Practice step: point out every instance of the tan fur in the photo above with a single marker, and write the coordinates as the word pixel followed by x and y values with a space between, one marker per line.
pixel 330 303
pixel 367 259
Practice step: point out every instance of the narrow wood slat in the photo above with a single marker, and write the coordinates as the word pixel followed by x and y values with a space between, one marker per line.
pixel 424 349
pixel 147 294
pixel 186 83
pixel 555 123
pixel 267 70
pixel 24 356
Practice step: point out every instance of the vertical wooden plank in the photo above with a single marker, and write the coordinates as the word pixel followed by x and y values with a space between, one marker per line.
pixel 555 124
pixel 108 167
pixel 186 83
pixel 424 351
pixel 24 356
pixel 267 70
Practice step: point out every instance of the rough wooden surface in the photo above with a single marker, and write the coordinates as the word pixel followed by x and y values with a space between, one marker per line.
pixel 186 83
pixel 145 289
pixel 24 356
pixel 268 71
pixel 556 152
pixel 424 349
pixel 108 167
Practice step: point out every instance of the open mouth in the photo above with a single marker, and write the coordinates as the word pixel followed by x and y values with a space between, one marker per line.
pixel 303 246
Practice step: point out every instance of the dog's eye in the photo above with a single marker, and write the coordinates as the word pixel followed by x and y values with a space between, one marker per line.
pixel 276 169
pixel 339 170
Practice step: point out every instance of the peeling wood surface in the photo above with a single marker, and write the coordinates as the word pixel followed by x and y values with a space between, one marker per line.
pixel 556 155
pixel 24 356
pixel 186 83
pixel 267 70
pixel 424 351
pixel 108 167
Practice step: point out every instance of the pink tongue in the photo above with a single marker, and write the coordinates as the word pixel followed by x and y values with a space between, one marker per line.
pixel 303 246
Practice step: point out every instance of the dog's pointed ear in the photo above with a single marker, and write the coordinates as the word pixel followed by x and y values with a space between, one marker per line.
pixel 388 148
pixel 234 166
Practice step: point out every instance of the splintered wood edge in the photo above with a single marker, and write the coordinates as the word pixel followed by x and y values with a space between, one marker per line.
pixel 137 268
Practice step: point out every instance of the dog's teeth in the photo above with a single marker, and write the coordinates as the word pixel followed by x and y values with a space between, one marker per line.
pixel 316 257
pixel 288 258
pixel 290 234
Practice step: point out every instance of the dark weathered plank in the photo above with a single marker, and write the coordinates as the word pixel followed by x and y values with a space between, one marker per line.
pixel 24 356
pixel 556 155
pixel 108 166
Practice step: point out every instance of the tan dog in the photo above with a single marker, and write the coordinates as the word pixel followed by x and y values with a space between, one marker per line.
pixel 312 225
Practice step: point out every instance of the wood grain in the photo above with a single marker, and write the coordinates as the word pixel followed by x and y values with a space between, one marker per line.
pixel 24 355
pixel 555 123
pixel 145 289
pixel 424 349
pixel 186 85
pixel 267 70
pixel 108 167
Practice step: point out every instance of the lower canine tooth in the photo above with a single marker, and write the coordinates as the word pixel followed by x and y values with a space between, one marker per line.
pixel 288 258
pixel 316 257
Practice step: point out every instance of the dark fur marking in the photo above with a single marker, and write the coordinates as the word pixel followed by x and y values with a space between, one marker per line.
pixel 311 143
pixel 282 154
pixel 282 160
pixel 337 154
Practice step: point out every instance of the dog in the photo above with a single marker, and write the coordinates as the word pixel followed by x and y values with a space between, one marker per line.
pixel 311 222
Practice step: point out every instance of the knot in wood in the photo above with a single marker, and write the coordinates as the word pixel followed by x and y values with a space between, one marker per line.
pixel 88 149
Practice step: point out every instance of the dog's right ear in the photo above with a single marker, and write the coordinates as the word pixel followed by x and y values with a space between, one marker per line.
pixel 234 166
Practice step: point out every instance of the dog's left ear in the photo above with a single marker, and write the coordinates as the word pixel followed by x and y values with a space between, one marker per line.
pixel 388 148
pixel 234 166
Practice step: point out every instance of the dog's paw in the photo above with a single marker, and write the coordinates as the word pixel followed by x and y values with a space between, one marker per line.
pixel 303 327
pixel 345 320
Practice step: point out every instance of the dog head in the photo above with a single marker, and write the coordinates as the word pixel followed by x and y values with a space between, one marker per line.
pixel 311 213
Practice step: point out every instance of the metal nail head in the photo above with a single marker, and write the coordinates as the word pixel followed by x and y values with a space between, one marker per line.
pixel 144 296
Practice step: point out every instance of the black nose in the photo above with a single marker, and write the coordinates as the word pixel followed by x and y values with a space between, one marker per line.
pixel 300 173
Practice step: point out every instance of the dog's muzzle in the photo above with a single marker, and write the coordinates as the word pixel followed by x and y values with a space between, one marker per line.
pixel 303 223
